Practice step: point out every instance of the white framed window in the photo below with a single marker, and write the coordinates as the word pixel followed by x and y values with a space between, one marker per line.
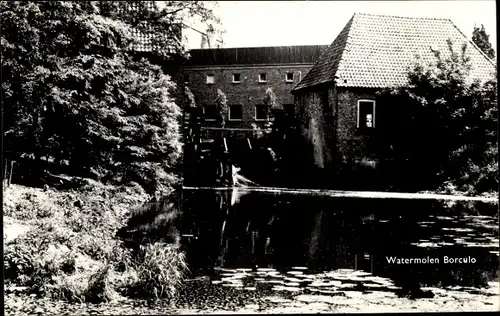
pixel 263 77
pixel 366 114
pixel 260 112
pixel 210 79
pixel 235 112
pixel 289 77
pixel 236 78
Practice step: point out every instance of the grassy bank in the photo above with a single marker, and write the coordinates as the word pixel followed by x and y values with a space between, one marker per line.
pixel 63 245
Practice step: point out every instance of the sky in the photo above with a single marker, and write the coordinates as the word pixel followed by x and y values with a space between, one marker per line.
pixel 282 23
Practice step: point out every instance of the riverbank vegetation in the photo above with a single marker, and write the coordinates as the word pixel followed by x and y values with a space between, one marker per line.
pixel 68 249
pixel 448 130
pixel 94 130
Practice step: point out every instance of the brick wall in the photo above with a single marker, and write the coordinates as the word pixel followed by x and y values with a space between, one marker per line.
pixel 249 92
pixel 316 114
pixel 328 121
pixel 351 144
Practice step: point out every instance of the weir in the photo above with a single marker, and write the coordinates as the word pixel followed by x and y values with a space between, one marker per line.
pixel 211 153
pixel 356 194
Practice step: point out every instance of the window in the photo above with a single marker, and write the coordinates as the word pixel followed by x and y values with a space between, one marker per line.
pixel 263 77
pixel 186 79
pixel 289 77
pixel 260 112
pixel 235 112
pixel 236 78
pixel 289 109
pixel 366 114
pixel 210 79
pixel 210 112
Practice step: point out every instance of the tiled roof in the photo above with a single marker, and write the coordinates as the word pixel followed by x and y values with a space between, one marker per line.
pixel 375 51
pixel 144 39
pixel 256 55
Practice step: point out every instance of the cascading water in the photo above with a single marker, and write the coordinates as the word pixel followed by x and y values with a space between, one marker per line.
pixel 239 180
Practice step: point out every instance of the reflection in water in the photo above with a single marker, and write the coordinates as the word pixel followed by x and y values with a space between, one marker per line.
pixel 292 242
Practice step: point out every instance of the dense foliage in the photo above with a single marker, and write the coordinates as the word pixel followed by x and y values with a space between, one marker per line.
pixel 78 257
pixel 482 40
pixel 447 128
pixel 72 91
pixel 221 108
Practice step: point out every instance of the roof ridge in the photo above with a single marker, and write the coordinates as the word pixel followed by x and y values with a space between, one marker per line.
pixel 348 26
pixel 260 47
pixel 314 65
pixel 401 16
pixel 474 44
pixel 375 51
pixel 351 25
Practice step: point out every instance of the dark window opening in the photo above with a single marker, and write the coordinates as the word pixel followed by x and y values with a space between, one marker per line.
pixel 210 112
pixel 235 112
pixel 260 112
pixel 236 77
pixel 289 109
pixel 262 77
pixel 366 114
pixel 289 76
pixel 186 79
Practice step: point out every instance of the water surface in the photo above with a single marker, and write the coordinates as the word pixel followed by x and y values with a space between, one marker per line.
pixel 256 244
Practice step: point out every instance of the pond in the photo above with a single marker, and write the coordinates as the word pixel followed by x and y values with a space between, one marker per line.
pixel 244 246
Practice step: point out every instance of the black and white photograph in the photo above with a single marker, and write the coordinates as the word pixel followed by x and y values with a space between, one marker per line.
pixel 249 157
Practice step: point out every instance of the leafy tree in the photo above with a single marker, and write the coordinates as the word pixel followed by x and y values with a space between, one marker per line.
pixel 277 121
pixel 481 39
pixel 447 128
pixel 271 101
pixel 72 90
pixel 189 98
pixel 222 108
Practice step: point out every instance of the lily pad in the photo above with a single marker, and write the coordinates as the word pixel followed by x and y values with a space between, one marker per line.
pixel 295 272
pixel 361 273
pixel 292 284
pixel 345 271
pixel 286 288
pixel 265 269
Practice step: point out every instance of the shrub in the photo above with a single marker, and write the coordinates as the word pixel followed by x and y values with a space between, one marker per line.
pixel 160 270
pixel 54 261
pixel 87 286
pixel 99 289
pixel 18 262
pixel 56 276
pixel 70 288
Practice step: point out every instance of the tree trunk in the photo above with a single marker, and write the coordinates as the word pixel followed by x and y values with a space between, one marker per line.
pixel 11 168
